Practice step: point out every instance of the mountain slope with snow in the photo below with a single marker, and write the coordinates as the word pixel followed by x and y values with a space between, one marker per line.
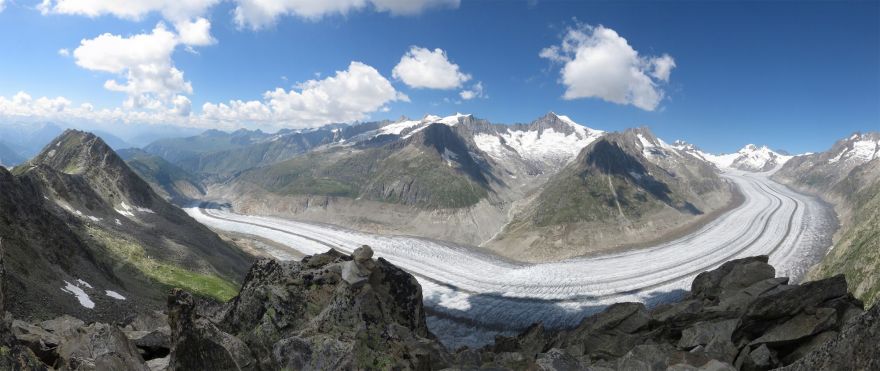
pixel 750 158
pixel 623 189
pixel 550 141
pixel 847 176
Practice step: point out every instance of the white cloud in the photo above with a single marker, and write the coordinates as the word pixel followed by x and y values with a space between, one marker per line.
pixel 144 60
pixel 348 96
pixel 258 14
pixel 2 5
pixel 662 67
pixel 182 106
pixel 423 68
pixel 599 63
pixel 64 52
pixel 476 91
pixel 196 32
pixel 187 16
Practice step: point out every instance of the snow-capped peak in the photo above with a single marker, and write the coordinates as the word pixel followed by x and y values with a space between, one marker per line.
pixel 750 157
pixel 406 127
pixel 453 120
pixel 858 148
pixel 552 140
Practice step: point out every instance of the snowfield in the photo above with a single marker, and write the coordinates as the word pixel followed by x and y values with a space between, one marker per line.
pixel 473 296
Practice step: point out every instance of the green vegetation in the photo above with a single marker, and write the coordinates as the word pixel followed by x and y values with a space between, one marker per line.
pixel 164 273
pixel 163 174
pixel 857 254
pixel 587 197
pixel 415 178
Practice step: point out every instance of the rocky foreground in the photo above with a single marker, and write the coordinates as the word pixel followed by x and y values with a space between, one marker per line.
pixel 334 311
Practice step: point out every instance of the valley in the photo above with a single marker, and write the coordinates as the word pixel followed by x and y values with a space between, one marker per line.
pixel 472 296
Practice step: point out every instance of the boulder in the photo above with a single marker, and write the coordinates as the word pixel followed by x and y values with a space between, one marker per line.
pixel 557 360
pixel 790 301
pixel 731 276
pixel 197 343
pixel 99 346
pixel 799 327
pixel 306 315
pixel 702 333
pixel 854 348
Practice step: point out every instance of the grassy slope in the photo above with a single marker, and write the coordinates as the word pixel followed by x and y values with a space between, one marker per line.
pixel 371 174
pixel 857 254
pixel 162 174
pixel 130 252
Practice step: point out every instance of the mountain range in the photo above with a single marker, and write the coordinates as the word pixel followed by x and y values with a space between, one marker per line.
pixel 84 235
pixel 96 234
pixel 466 180
pixel 848 177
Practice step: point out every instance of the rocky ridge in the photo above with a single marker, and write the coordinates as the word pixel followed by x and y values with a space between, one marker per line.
pixel 334 311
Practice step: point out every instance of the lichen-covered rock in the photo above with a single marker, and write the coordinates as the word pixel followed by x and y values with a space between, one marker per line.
pixel 309 315
pixel 854 348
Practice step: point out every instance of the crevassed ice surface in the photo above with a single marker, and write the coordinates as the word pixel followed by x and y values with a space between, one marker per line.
pixel 472 296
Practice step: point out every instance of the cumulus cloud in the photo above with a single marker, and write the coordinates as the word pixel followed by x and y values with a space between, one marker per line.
pixel 347 96
pixel 424 68
pixel 476 91
pixel 258 14
pixel 144 60
pixel 196 32
pixel 182 106
pixel 22 107
pixel 599 63
pixel 187 16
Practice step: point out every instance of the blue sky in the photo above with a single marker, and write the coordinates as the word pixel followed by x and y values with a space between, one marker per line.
pixel 795 76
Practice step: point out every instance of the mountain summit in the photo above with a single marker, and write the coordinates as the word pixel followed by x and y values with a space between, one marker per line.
pixel 103 230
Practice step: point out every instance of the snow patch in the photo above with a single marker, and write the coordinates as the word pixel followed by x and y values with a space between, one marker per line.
pixel 449 156
pixel 114 295
pixel 80 294
pixel 83 283
pixel 547 146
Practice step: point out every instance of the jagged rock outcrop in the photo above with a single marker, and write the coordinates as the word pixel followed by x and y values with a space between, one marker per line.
pixel 738 316
pixel 333 311
pixel 309 315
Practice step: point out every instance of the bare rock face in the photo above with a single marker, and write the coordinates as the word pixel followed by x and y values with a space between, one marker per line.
pixel 329 311
pixel 738 316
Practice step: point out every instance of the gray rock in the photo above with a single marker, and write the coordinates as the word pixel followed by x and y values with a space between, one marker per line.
pixel 63 326
pixel 557 360
pixel 197 343
pixel 762 357
pixel 703 333
pixel 799 327
pixel 647 357
pixel 99 347
pixel 731 276
pixel 362 254
pixel 676 313
pixel 712 365
pixel 353 275
pixel 812 344
pixel 722 350
pixel 855 348
pixel 739 301
pixel 159 364
pixel 792 301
